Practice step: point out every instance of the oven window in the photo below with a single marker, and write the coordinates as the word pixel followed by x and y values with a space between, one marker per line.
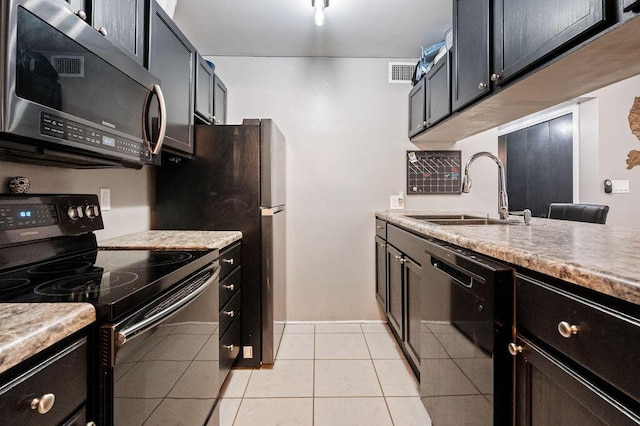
pixel 55 71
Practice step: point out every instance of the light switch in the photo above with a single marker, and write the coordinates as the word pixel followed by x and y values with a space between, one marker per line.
pixel 620 186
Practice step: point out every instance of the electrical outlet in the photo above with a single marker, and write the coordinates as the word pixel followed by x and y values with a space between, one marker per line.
pixel 620 186
pixel 105 199
pixel 247 352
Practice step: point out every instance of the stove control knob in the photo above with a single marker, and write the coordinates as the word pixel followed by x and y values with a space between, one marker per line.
pixel 72 213
pixel 92 211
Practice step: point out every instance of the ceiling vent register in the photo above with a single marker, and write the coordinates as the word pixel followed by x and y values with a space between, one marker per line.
pixel 401 72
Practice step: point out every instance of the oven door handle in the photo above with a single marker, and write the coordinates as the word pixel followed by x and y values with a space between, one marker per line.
pixel 133 330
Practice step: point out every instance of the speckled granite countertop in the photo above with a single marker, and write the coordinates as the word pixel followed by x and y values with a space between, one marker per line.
pixel 174 240
pixel 600 257
pixel 23 332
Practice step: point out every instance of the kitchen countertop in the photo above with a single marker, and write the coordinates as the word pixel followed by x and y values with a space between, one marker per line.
pixel 603 258
pixel 173 240
pixel 24 333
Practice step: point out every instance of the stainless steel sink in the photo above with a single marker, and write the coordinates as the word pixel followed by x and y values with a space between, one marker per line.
pixel 461 219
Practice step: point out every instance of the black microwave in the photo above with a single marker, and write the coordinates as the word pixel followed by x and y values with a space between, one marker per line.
pixel 69 97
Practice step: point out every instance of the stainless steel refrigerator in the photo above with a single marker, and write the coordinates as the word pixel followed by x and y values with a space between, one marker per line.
pixel 236 181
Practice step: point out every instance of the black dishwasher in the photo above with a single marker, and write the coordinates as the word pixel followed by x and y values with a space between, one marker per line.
pixel 467 311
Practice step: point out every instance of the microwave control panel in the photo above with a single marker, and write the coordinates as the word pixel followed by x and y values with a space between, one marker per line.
pixel 61 128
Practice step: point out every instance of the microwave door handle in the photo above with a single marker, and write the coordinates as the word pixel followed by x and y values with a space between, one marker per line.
pixel 136 329
pixel 162 118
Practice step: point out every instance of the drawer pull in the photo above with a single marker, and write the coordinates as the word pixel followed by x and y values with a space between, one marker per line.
pixel 382 245
pixel 379 227
pixel 567 330
pixel 514 349
pixel 229 261
pixel 228 347
pixel 399 259
pixel 230 314
pixel 44 403
pixel 229 287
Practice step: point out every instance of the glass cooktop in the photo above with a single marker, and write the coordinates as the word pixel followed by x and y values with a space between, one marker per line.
pixel 114 281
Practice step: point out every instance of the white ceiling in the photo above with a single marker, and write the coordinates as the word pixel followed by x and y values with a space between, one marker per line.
pixel 353 28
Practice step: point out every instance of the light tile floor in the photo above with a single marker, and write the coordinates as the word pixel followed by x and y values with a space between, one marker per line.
pixel 334 374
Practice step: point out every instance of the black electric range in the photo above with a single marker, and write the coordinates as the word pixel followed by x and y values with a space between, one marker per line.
pixel 147 303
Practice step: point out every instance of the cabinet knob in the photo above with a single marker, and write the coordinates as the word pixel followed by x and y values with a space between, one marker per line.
pixel 383 245
pixel 567 330
pixel 229 287
pixel 482 86
pixel 44 403
pixel 495 77
pixel 379 227
pixel 228 347
pixel 82 15
pixel 230 314
pixel 514 349
pixel 103 31
pixel 91 424
pixel 399 259
pixel 229 261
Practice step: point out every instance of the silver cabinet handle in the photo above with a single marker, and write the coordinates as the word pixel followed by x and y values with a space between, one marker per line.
pixel 567 330
pixel 383 245
pixel 228 347
pixel 482 86
pixel 44 403
pixel 229 261
pixel 379 227
pixel 495 77
pixel 103 31
pixel 82 15
pixel 229 287
pixel 400 259
pixel 230 314
pixel 514 349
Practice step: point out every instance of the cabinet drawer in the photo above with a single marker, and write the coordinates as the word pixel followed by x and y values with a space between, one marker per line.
pixel 381 229
pixel 229 260
pixel 229 311
pixel 64 375
pixel 230 286
pixel 229 348
pixel 408 243
pixel 606 342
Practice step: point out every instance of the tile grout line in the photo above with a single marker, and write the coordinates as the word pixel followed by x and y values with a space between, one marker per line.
pixel 384 396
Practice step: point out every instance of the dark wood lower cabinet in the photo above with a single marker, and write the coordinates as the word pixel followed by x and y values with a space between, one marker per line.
pixel 381 273
pixel 550 393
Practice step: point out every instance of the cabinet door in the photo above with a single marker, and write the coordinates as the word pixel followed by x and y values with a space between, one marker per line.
pixel 381 273
pixel 417 108
pixel 219 101
pixel 438 91
pixel 204 90
pixel 470 52
pixel 527 31
pixel 549 393
pixel 395 260
pixel 172 60
pixel 413 303
pixel 123 22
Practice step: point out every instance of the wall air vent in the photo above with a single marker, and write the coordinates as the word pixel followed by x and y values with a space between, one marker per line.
pixel 401 72
pixel 68 66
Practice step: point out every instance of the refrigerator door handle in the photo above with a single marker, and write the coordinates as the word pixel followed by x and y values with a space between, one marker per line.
pixel 270 211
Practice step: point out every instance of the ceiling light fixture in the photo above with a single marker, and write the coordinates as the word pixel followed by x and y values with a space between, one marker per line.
pixel 319 6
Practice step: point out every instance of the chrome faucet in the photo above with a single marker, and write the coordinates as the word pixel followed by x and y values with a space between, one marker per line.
pixel 503 201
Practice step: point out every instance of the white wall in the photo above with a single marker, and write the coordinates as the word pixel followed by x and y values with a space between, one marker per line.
pixel 606 139
pixel 346 130
pixel 130 191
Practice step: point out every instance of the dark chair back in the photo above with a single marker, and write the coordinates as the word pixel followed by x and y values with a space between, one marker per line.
pixel 593 213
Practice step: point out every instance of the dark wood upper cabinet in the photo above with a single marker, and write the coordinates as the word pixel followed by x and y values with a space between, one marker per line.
pixel 204 91
pixel 123 23
pixel 219 101
pixel 526 31
pixel 417 108
pixel 470 62
pixel 438 94
pixel 171 58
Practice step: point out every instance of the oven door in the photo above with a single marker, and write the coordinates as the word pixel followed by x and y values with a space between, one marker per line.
pixel 67 88
pixel 161 364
